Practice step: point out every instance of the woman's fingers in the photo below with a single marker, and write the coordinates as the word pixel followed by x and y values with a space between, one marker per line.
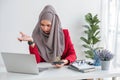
pixel 24 37
pixel 59 65
pixel 22 34
pixel 19 39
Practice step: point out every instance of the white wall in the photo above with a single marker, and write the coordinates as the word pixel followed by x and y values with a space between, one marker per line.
pixel 22 15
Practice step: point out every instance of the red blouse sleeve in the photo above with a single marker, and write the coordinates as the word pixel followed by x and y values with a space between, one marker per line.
pixel 69 52
pixel 34 50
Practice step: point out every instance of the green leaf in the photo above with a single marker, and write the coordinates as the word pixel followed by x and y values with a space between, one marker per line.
pixel 86 26
pixel 89 53
pixel 91 57
pixel 86 46
pixel 90 36
pixel 88 18
pixel 86 31
pixel 95 40
pixel 98 48
pixel 95 28
pixel 97 33
pixel 84 39
pixel 95 19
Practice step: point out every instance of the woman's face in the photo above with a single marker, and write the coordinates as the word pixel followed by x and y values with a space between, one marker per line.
pixel 45 26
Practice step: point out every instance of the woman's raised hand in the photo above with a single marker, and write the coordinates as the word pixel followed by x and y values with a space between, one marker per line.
pixel 25 37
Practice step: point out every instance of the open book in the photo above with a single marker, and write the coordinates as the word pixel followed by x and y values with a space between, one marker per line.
pixel 81 67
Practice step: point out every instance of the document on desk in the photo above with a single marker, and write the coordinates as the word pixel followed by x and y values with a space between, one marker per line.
pixel 44 66
pixel 82 67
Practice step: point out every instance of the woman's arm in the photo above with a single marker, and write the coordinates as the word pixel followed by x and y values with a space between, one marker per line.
pixel 32 47
pixel 34 50
pixel 69 53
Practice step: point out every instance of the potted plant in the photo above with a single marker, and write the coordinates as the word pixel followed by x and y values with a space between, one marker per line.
pixel 105 57
pixel 92 35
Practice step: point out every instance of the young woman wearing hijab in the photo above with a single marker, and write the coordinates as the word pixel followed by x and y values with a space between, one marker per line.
pixel 49 41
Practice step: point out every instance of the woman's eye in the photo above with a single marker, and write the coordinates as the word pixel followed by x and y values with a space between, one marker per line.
pixel 48 25
pixel 42 24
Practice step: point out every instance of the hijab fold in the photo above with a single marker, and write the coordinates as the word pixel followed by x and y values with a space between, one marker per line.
pixel 50 45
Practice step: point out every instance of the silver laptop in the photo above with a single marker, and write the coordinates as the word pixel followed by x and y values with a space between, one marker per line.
pixel 20 63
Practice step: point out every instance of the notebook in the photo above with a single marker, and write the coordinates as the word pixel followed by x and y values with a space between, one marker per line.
pixel 21 63
pixel 81 67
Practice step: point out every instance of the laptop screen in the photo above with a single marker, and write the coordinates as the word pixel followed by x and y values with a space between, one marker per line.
pixel 20 63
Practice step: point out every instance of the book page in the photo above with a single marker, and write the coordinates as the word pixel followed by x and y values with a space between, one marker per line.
pixel 82 66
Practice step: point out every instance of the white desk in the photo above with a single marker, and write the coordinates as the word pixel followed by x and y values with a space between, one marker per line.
pixel 58 74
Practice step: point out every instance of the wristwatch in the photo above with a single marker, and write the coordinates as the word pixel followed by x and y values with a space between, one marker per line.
pixel 30 42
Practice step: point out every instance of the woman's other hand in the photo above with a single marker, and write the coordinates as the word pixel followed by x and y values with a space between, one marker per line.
pixel 61 65
pixel 25 37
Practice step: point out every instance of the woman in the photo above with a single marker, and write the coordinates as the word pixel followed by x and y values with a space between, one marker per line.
pixel 49 42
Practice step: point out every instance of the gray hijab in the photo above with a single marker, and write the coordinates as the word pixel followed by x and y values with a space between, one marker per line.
pixel 51 46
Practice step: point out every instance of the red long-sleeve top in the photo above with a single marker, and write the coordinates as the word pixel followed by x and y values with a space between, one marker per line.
pixel 68 54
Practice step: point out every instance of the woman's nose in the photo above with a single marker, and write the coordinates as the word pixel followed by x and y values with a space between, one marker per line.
pixel 46 28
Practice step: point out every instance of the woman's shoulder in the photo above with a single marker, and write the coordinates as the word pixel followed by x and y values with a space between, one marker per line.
pixel 65 31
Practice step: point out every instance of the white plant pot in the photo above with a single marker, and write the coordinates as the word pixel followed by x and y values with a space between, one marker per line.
pixel 105 65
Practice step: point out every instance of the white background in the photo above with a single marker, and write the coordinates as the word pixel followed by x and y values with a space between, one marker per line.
pixel 22 15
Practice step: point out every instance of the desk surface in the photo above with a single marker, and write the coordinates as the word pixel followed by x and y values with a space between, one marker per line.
pixel 58 74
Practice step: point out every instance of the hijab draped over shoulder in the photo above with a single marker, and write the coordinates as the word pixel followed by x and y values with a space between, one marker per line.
pixel 50 45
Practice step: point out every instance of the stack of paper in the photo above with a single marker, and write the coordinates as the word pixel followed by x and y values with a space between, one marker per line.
pixel 82 67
